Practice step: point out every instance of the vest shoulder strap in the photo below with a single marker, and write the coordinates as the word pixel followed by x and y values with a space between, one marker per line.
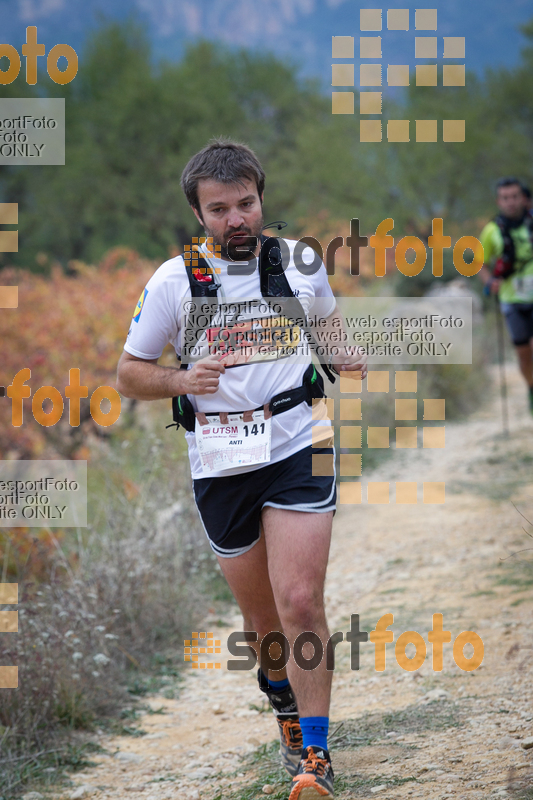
pixel 508 255
pixel 272 279
pixel 272 276
pixel 274 283
pixel 205 284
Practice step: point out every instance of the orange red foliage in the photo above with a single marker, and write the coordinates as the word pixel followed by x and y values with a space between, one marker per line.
pixel 62 322
pixel 30 555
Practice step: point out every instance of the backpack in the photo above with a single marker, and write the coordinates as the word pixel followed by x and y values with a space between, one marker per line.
pixel 505 264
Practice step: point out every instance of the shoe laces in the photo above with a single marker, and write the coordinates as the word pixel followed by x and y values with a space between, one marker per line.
pixel 291 731
pixel 315 764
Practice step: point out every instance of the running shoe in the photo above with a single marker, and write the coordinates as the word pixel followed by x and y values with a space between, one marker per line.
pixel 290 734
pixel 314 779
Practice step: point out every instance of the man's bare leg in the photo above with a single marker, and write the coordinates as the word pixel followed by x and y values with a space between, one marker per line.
pixel 279 586
pixel 525 361
pixel 248 578
pixel 297 545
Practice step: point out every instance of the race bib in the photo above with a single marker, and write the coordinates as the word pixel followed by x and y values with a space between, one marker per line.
pixel 234 444
pixel 523 286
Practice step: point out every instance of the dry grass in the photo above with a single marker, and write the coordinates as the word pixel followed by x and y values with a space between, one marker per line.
pixel 101 609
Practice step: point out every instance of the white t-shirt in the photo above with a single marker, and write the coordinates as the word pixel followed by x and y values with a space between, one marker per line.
pixel 159 319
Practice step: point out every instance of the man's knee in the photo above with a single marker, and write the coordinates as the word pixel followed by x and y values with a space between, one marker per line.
pixel 524 352
pixel 302 606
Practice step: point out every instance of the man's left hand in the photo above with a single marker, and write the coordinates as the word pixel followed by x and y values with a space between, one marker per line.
pixel 351 359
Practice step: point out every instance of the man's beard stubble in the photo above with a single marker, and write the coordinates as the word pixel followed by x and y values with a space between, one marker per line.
pixel 239 252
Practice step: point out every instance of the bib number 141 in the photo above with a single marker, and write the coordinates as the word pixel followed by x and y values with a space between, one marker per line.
pixel 254 430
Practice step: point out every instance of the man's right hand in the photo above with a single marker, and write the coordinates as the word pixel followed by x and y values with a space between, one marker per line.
pixel 494 285
pixel 204 376
pixel 491 285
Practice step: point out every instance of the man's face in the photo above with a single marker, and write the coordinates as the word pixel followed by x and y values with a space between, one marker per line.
pixel 511 201
pixel 231 213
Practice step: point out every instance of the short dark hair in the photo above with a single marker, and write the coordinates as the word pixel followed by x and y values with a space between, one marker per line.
pixel 509 182
pixel 221 160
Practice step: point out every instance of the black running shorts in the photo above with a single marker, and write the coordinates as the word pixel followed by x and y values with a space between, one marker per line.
pixel 230 508
pixel 519 318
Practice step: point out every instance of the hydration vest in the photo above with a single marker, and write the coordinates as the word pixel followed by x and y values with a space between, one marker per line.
pixel 505 264
pixel 274 284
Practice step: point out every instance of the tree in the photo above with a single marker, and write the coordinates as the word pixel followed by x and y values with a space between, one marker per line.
pixel 132 125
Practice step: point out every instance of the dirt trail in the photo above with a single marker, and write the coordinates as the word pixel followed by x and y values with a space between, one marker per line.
pixel 421 734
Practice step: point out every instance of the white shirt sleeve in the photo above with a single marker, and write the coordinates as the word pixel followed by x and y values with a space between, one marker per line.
pixel 155 320
pixel 313 289
pixel 321 283
pixel 324 300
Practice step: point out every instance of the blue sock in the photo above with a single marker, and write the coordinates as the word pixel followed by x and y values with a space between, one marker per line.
pixel 315 731
pixel 277 684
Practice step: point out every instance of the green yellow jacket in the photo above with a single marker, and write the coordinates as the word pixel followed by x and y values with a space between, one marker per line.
pixel 518 288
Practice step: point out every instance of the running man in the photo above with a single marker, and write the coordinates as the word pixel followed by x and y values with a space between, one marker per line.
pixel 269 523
pixel 508 244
